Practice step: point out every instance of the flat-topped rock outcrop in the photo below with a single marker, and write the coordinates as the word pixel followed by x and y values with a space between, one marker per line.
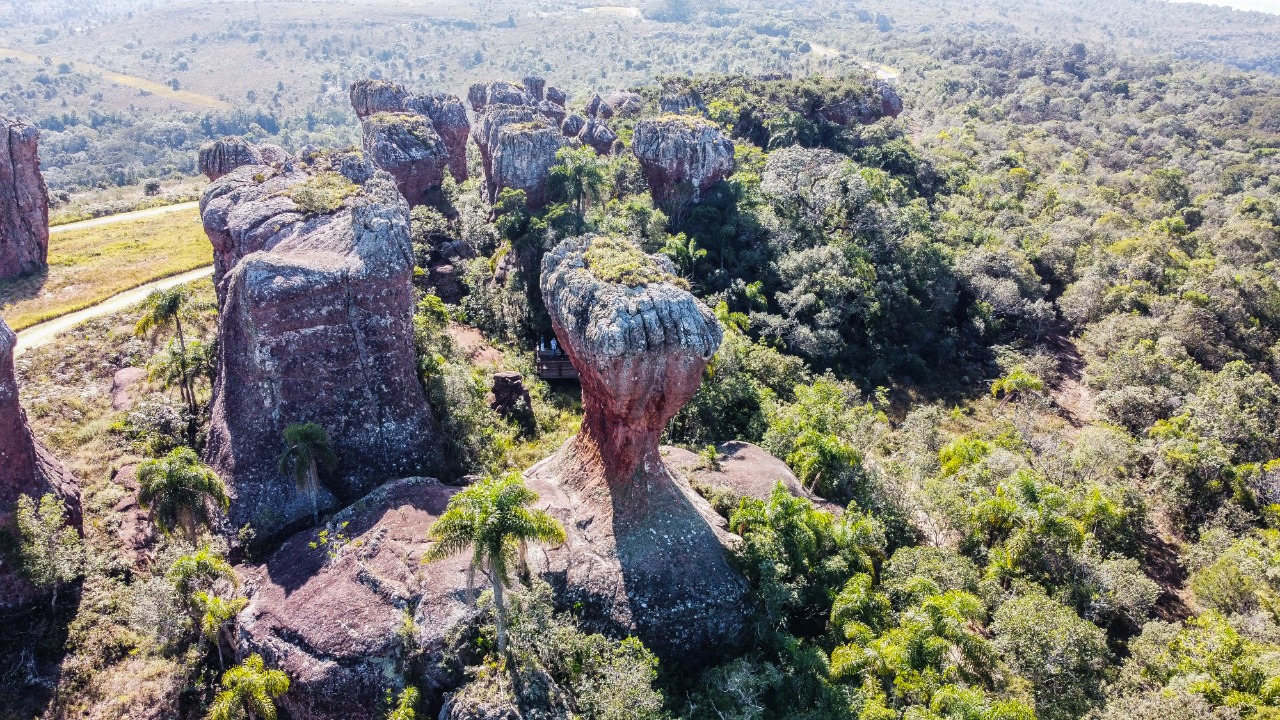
pixel 645 554
pixel 26 468
pixel 314 281
pixel 24 201
pixel 221 157
pixel 681 156
pixel 446 114
pixel 407 146
pixel 518 147
pixel 332 616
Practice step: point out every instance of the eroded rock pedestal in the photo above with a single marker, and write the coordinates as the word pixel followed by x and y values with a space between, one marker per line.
pixel 339 618
pixel 314 282
pixel 24 202
pixel 645 555
pixel 26 468
pixel 518 146
pixel 682 157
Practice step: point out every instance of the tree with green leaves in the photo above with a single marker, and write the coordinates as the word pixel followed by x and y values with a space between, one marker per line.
pixel 179 492
pixel 162 311
pixel 49 549
pixel 249 690
pixel 216 616
pixel 306 448
pixel 685 253
pixel 492 518
pixel 579 175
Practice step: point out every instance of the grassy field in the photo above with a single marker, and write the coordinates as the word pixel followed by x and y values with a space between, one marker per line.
pixel 142 84
pixel 89 265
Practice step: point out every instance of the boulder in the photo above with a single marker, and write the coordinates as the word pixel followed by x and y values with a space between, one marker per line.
pixel 535 87
pixel 625 104
pixel 446 113
pixel 334 616
pixel 124 388
pixel 598 136
pixel 135 532
pixel 572 125
pixel 681 157
pixel 315 325
pixel 499 92
pixel 556 96
pixel 881 101
pixel 681 100
pixel 890 101
pixel 645 555
pixel 517 149
pixel 408 147
pixel 596 107
pixel 24 201
pixel 510 399
pixel 219 158
pixel 26 468
pixel 744 470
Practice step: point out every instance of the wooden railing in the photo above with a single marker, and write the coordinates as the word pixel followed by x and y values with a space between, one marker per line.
pixel 555 366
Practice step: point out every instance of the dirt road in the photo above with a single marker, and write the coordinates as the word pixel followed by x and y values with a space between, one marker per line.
pixel 122 217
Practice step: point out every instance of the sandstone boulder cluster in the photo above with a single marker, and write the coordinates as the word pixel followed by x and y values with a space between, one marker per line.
pixel 26 468
pixel 24 201
pixel 682 157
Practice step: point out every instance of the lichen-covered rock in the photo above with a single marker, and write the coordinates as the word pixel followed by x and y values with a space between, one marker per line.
pixel 598 136
pixel 681 156
pixel 26 468
pixel 596 107
pixel 447 114
pixel 890 101
pixel 498 92
pixel 408 147
pixel 645 554
pixel 535 87
pixel 572 125
pixel 220 157
pixel 314 283
pixel 510 399
pixel 556 96
pixel 334 617
pixel 24 201
pixel 517 149
pixel 681 100
pixel 742 470
pixel 865 108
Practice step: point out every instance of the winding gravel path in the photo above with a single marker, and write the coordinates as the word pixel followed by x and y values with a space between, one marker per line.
pixel 45 332
pixel 122 217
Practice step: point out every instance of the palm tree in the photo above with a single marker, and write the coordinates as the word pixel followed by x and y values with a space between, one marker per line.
pixel 216 617
pixel 579 173
pixel 492 518
pixel 178 490
pixel 161 311
pixel 306 447
pixel 249 689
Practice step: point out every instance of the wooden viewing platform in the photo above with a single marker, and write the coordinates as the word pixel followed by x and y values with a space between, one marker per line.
pixel 555 366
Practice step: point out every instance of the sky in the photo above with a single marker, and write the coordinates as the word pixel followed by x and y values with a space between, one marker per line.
pixel 1270 6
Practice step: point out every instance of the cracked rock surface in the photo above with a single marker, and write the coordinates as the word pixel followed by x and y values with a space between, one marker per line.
pixel 315 326
pixel 24 202
pixel 26 468
pixel 645 554
pixel 445 113
pixel 408 147
pixel 332 617
pixel 682 156
pixel 221 157
pixel 518 147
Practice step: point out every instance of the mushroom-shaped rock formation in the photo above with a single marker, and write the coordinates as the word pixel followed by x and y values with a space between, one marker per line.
pixel 314 281
pixel 220 157
pixel 24 202
pixel 645 554
pixel 26 468
pixel 408 147
pixel 333 617
pixel 681 156
pixel 447 114
pixel 517 149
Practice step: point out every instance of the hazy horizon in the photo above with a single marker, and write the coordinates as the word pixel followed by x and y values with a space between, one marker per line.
pixel 1267 6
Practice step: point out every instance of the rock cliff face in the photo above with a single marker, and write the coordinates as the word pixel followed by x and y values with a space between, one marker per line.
pixel 517 148
pixel 334 623
pixel 316 308
pixel 882 101
pixel 26 468
pixel 24 201
pixel 220 157
pixel 408 147
pixel 681 156
pixel 446 113
pixel 645 554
